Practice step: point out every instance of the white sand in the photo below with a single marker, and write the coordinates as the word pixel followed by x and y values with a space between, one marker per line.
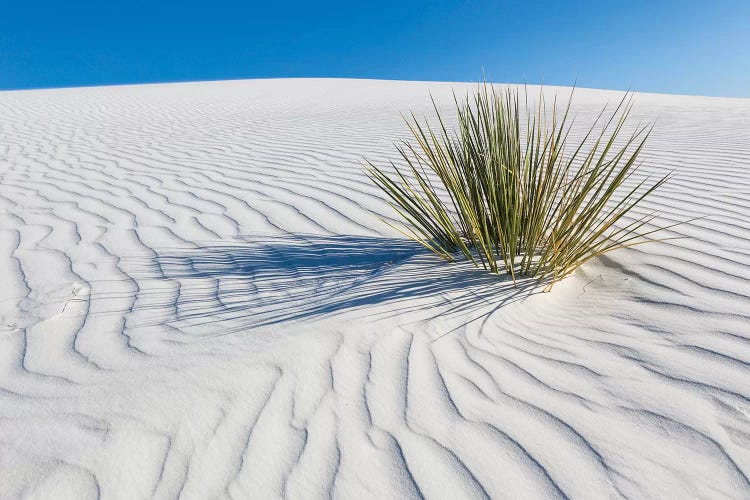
pixel 197 300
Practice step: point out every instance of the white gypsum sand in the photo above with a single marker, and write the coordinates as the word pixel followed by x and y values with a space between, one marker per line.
pixel 198 300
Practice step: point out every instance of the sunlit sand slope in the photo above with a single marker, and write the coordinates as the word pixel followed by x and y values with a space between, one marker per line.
pixel 199 299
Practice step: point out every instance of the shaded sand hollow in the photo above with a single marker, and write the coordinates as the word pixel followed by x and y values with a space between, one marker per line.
pixel 198 299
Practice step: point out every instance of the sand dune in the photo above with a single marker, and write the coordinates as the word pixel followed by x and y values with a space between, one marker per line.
pixel 199 300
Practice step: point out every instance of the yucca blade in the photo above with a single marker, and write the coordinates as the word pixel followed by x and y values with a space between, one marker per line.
pixel 482 190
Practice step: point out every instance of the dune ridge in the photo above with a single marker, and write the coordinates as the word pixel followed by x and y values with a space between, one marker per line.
pixel 199 300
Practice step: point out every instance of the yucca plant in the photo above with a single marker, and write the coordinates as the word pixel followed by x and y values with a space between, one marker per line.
pixel 512 192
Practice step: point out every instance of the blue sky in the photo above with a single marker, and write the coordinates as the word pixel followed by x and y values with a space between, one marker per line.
pixel 686 47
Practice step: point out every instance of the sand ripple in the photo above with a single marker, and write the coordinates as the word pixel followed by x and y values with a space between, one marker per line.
pixel 199 300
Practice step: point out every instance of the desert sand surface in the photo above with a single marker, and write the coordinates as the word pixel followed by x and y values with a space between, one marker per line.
pixel 199 298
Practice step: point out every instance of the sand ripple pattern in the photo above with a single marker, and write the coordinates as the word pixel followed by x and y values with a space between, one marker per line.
pixel 199 300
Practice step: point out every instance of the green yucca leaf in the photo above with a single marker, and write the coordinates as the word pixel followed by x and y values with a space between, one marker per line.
pixel 490 193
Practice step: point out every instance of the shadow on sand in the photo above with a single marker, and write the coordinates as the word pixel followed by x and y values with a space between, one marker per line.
pixel 263 281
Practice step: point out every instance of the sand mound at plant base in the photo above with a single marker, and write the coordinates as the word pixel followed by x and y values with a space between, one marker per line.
pixel 198 300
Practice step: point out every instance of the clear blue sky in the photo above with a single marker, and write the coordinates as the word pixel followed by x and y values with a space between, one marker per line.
pixel 688 47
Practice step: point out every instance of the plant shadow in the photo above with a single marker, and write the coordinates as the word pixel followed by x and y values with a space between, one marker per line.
pixel 263 281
